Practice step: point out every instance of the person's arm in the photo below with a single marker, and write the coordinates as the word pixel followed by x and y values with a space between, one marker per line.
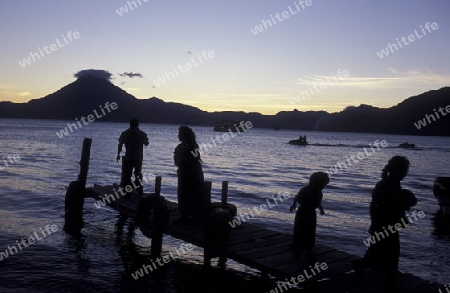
pixel 176 156
pixel 294 204
pixel 146 139
pixel 322 211
pixel 119 146
pixel 119 150
pixel 408 199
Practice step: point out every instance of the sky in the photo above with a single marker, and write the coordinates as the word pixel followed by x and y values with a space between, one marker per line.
pixel 305 55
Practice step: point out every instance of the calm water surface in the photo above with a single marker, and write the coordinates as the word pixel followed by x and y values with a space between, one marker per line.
pixel 258 164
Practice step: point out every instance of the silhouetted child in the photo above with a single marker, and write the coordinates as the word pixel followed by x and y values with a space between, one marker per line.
pixel 388 206
pixel 309 198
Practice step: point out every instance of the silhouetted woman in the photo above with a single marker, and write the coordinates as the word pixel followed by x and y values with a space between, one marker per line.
pixel 191 194
pixel 309 198
pixel 388 206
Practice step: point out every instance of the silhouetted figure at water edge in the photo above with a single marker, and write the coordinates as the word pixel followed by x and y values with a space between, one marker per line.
pixel 388 207
pixel 134 140
pixel 309 198
pixel 191 182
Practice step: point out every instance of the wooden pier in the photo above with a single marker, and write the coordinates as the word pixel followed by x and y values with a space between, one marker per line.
pixel 269 251
pixel 249 244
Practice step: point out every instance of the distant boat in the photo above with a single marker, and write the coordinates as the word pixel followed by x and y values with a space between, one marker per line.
pixel 298 141
pixel 441 189
pixel 276 128
pixel 226 126
pixel 407 145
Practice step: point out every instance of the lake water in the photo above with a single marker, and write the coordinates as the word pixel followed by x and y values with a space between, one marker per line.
pixel 257 163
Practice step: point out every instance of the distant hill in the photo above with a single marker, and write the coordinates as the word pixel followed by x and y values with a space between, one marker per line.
pixel 86 94
pixel 399 119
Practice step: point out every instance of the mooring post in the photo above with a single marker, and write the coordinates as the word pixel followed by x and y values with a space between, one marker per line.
pixel 158 180
pixel 224 196
pixel 157 239
pixel 74 200
pixel 206 235
pixel 224 200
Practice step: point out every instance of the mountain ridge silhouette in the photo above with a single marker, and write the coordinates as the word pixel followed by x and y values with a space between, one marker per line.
pixel 84 95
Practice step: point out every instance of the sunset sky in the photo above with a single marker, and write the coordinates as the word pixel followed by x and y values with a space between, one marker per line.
pixel 304 45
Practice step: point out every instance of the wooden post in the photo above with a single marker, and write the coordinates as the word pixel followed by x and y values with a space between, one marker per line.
pixel 224 200
pixel 207 211
pixel 74 200
pixel 158 180
pixel 157 239
pixel 224 196
pixel 84 162
pixel 206 236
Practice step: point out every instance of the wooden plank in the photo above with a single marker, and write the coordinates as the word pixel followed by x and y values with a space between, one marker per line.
pixel 318 250
pixel 248 228
pixel 250 237
pixel 251 231
pixel 258 244
pixel 184 232
pixel 275 248
pixel 279 259
pixel 404 283
pixel 409 282
pixel 332 256
pixel 337 268
pixel 337 263
pixel 431 287
pixel 348 282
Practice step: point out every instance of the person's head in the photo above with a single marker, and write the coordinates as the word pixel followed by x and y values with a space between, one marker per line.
pixel 134 122
pixel 186 134
pixel 396 168
pixel 319 180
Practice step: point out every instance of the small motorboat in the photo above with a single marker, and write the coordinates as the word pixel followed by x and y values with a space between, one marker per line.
pixel 300 141
pixel 226 126
pixel 407 145
pixel 441 189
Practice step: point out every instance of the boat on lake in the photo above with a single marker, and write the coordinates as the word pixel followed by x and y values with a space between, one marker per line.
pixel 299 141
pixel 407 145
pixel 226 126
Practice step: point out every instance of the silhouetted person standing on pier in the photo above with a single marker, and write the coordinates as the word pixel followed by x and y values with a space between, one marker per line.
pixel 191 182
pixel 388 206
pixel 309 198
pixel 134 140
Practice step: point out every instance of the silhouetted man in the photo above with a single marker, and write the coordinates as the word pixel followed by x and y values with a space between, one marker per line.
pixel 134 140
